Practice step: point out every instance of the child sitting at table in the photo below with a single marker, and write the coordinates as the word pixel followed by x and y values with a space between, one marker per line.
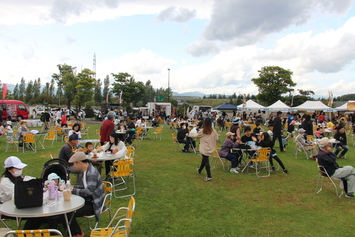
pixel 319 133
pixel 90 148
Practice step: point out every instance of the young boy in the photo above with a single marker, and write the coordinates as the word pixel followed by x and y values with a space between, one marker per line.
pixel 89 148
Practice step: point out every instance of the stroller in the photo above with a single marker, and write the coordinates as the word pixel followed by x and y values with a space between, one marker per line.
pixel 58 166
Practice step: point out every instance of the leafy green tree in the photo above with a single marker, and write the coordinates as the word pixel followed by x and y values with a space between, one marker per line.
pixel 37 88
pixel 22 89
pixel 16 92
pixel 106 87
pixel 149 92
pixel 67 80
pixel 98 92
pixel 273 81
pixel 84 87
pixel 51 91
pixel 133 91
pixel 29 92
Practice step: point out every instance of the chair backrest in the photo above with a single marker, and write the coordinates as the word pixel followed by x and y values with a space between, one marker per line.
pixel 34 233
pixel 51 134
pixel 128 217
pixel 29 138
pixel 59 131
pixel 130 151
pixel 108 189
pixel 173 136
pixel 215 153
pixel 263 154
pixel 123 168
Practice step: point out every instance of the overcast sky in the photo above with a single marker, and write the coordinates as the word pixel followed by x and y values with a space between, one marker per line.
pixel 215 47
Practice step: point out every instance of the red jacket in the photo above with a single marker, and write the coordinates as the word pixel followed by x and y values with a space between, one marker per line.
pixel 106 129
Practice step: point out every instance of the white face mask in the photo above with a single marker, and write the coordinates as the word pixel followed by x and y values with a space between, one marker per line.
pixel 17 173
pixel 183 127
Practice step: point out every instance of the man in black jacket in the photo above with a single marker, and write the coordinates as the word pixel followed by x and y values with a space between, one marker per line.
pixel 277 132
pixel 326 158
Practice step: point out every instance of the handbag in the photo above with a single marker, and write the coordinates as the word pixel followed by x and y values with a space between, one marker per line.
pixel 28 193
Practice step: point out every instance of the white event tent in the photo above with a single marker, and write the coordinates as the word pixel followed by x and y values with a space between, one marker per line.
pixel 279 106
pixel 311 106
pixel 250 105
pixel 344 107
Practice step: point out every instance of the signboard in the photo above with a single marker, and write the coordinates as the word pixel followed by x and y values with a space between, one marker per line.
pixel 351 106
pixel 330 110
pixel 160 98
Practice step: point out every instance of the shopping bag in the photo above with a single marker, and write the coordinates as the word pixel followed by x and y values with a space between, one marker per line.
pixel 193 132
pixel 28 193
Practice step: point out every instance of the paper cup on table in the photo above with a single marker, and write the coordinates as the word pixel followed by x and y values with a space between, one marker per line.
pixel 66 195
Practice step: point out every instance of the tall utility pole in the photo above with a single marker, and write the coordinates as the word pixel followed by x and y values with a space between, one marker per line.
pixel 168 84
pixel 94 66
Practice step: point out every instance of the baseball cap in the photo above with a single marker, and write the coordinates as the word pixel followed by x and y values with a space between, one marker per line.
pixel 73 137
pixel 77 156
pixel 15 162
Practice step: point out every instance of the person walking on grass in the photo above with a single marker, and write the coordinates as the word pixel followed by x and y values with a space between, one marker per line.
pixel 277 132
pixel 208 139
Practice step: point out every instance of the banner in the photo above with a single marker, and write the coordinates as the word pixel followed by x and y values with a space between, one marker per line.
pixel 4 91
pixel 351 106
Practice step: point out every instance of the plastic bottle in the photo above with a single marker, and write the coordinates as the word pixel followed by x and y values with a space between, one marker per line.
pixel 51 190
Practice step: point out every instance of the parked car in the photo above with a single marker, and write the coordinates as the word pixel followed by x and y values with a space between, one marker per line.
pixel 19 109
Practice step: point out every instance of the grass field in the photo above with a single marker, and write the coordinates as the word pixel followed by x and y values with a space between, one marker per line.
pixel 173 200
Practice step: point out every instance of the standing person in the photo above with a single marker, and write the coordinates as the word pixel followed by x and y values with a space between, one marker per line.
pixel 265 141
pixel 290 126
pixel 307 125
pixel 9 113
pixel 64 120
pixel 327 159
pixel 235 128
pixel 208 139
pixel 277 131
pixel 45 117
pixel 34 113
pixel 106 129
pixel 340 136
pixel 58 114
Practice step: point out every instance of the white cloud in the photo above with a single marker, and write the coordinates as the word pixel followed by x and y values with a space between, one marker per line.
pixel 247 22
pixel 202 48
pixel 176 14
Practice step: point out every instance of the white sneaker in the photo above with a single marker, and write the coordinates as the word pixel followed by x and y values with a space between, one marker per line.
pixel 238 169
pixel 233 170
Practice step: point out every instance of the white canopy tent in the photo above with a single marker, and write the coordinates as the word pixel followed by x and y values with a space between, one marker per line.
pixel 250 105
pixel 344 107
pixel 311 106
pixel 279 106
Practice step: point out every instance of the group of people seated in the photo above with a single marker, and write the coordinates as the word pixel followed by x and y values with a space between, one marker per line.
pixel 90 187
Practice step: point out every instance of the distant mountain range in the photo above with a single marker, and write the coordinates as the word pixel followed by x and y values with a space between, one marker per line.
pixel 193 93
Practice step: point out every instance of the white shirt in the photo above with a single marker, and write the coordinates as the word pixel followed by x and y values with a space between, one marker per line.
pixel 121 147
pixel 72 131
pixel 6 189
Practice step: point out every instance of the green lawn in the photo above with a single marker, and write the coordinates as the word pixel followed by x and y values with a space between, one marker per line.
pixel 173 200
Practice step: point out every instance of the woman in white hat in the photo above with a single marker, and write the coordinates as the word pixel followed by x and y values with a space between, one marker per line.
pixel 13 166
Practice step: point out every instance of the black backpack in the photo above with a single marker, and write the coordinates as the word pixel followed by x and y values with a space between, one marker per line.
pixel 42 118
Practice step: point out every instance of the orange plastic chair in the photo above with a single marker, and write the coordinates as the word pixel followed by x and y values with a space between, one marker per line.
pixel 121 171
pixel 30 140
pixel 51 135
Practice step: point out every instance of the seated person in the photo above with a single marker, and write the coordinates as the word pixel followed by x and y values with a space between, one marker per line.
pixel 301 138
pixel 90 188
pixel 89 149
pixel 225 151
pixel 327 159
pixel 116 147
pixel 319 133
pixel 68 149
pixel 182 137
pixel 257 130
pixel 340 136
pixel 131 132
pixel 265 141
pixel 13 170
pixel 248 138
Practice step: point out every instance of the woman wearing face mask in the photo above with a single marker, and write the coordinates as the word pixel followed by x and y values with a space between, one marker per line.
pixel 13 166
pixel 182 137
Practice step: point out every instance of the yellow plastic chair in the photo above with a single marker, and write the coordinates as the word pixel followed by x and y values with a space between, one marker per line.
pixel 180 146
pixel 30 140
pixel 121 171
pixel 34 233
pixel 227 125
pixel 123 225
pixel 51 135
pixel 216 157
pixel 261 161
pixel 10 141
pixel 323 174
pixel 98 133
pixel 130 152
pixel 158 132
pixel 106 205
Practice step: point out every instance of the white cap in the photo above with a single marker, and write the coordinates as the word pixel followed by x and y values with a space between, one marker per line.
pixel 15 162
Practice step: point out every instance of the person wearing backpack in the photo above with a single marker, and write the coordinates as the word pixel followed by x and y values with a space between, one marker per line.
pixel 45 119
